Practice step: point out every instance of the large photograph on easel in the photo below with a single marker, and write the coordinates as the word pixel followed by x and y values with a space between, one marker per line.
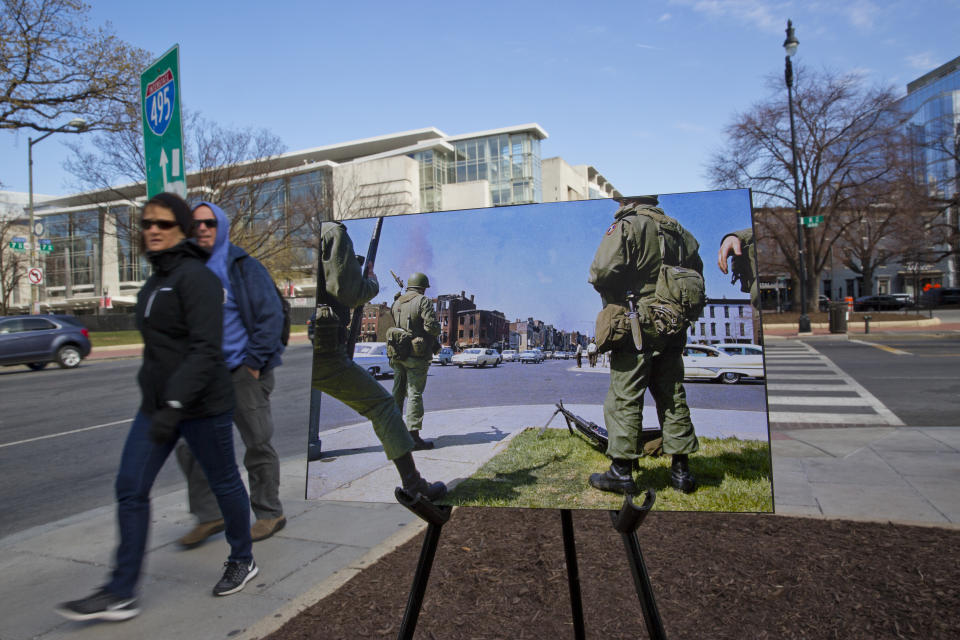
pixel 482 363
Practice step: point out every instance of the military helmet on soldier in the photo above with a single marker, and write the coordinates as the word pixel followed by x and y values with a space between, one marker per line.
pixel 653 200
pixel 418 280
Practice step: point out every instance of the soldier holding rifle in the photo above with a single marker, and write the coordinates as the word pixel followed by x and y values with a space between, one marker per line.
pixel 341 285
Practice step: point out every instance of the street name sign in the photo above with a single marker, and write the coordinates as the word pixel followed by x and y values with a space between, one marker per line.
pixel 163 125
pixel 811 221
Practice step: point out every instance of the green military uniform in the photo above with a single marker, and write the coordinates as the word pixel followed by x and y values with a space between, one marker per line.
pixel 414 312
pixel 629 259
pixel 345 287
pixel 745 265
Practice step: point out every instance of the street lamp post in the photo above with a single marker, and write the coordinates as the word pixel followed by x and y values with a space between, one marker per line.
pixel 790 46
pixel 79 124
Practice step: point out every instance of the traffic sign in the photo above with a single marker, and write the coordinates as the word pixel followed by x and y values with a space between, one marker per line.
pixel 162 125
pixel 811 221
pixel 38 228
pixel 17 246
pixel 35 275
pixel 45 247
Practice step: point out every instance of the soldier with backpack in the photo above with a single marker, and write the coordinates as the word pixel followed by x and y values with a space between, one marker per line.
pixel 411 345
pixel 649 275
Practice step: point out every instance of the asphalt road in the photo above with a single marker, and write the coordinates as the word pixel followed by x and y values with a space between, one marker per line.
pixel 915 376
pixel 61 432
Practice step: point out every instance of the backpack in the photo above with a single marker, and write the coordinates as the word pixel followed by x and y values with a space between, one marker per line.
pixel 680 295
pixel 399 343
pixel 285 332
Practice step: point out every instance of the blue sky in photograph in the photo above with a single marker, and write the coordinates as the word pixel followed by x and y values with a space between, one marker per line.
pixel 640 90
pixel 492 254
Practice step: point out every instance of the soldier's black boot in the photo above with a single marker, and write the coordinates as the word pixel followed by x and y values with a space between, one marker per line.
pixel 419 444
pixel 618 478
pixel 680 476
pixel 414 483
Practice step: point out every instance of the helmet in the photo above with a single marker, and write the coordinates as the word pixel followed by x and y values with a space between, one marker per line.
pixel 648 200
pixel 418 280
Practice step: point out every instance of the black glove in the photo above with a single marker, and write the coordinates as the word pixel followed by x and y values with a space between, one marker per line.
pixel 163 427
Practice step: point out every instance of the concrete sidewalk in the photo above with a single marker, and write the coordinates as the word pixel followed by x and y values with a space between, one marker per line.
pixel 883 474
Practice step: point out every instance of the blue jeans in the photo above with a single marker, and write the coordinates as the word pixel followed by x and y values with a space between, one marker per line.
pixel 211 440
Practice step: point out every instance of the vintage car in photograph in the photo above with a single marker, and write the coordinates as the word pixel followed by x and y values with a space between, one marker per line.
pixel 509 355
pixel 476 357
pixel 739 348
pixel 38 340
pixel 530 357
pixel 372 356
pixel 443 357
pixel 705 362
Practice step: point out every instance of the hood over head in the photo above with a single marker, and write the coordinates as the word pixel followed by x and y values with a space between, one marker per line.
pixel 221 245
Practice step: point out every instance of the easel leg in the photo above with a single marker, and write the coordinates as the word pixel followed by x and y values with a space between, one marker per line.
pixel 435 517
pixel 573 573
pixel 626 522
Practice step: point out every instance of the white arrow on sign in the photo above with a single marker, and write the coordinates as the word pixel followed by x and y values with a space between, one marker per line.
pixel 35 275
pixel 163 164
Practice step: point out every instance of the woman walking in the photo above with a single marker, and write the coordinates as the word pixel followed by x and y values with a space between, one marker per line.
pixel 186 392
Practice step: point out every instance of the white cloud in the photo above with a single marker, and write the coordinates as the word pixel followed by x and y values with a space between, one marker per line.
pixel 923 61
pixel 861 13
pixel 689 127
pixel 543 278
pixel 761 13
pixel 664 17
pixel 646 46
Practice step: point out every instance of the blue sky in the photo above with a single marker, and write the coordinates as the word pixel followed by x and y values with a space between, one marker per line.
pixel 640 90
pixel 492 254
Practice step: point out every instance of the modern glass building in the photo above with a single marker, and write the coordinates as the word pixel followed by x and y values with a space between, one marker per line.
pixel 276 203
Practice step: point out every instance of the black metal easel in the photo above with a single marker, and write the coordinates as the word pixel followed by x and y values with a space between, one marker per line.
pixel 625 521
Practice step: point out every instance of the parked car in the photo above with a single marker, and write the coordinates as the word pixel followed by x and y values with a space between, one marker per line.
pixel 823 303
pixel 39 340
pixel 561 355
pixel 739 349
pixel 529 357
pixel 509 355
pixel 706 362
pixel 476 357
pixel 941 296
pixel 443 357
pixel 905 298
pixel 877 303
pixel 372 356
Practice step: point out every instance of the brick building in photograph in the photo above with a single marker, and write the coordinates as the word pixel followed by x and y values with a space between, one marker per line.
pixel 482 328
pixel 448 308
pixel 375 322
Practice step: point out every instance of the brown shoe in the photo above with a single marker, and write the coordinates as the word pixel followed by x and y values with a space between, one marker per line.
pixel 263 529
pixel 200 533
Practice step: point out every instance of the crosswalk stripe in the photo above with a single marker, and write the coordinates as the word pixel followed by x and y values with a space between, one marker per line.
pixel 826 418
pixel 818 401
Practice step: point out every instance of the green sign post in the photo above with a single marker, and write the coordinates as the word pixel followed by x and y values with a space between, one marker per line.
pixel 162 125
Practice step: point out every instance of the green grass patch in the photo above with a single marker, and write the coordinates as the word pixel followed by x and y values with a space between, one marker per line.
pixel 551 470
pixel 112 338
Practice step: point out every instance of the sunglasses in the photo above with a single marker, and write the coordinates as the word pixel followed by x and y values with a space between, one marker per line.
pixel 209 223
pixel 148 223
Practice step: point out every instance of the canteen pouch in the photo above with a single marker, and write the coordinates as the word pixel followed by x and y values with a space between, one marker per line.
pixel 326 330
pixel 613 327
pixel 678 300
pixel 399 343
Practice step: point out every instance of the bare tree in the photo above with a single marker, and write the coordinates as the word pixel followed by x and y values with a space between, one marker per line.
pixel 843 130
pixel 53 65
pixel 13 265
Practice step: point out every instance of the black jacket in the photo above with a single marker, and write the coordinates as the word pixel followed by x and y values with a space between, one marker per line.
pixel 180 316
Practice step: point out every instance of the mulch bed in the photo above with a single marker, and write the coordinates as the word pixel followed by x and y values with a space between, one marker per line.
pixel 500 573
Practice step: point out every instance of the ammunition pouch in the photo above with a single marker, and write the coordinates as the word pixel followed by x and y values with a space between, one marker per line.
pixel 399 343
pixel 328 332
pixel 419 348
pixel 678 300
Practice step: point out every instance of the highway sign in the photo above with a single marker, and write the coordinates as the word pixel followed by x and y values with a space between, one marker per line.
pixel 35 275
pixel 162 125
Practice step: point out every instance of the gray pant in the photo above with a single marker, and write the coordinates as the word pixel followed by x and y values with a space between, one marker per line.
pixel 252 417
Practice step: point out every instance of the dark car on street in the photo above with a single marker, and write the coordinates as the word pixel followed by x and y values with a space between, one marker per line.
pixel 877 303
pixel 36 341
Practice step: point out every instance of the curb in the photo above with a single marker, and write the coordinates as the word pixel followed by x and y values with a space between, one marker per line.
pixel 304 601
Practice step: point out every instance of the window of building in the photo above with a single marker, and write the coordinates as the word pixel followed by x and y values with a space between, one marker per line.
pixel 727 329
pixel 713 328
pixel 726 312
pixel 703 328
pixel 742 330
pixel 713 312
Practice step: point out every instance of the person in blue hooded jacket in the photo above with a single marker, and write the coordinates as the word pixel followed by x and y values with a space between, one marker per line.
pixel 252 326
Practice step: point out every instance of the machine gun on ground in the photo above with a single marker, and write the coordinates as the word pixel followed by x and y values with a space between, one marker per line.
pixel 596 434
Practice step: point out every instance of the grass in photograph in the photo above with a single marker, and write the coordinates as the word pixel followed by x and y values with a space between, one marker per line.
pixel 551 471
pixel 113 338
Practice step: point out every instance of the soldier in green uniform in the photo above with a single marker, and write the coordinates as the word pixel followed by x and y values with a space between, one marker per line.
pixel 629 260
pixel 414 312
pixel 341 286
pixel 740 246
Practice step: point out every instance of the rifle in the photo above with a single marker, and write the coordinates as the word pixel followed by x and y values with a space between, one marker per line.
pixel 357 317
pixel 397 278
pixel 594 432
